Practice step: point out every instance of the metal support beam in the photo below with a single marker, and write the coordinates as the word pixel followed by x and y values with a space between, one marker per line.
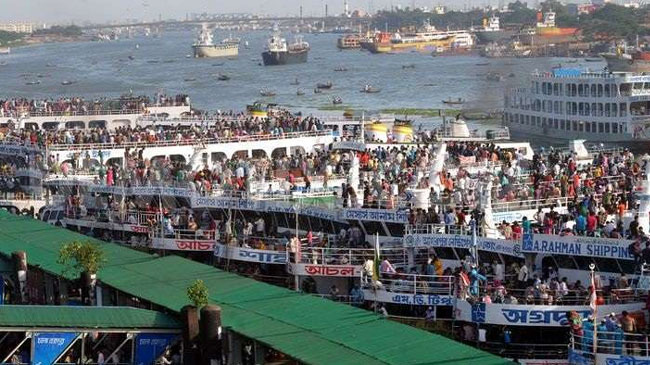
pixel 28 335
pixel 81 335
pixel 129 337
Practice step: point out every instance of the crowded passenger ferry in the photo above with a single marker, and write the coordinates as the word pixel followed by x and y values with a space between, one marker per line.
pixel 566 104
pixel 484 239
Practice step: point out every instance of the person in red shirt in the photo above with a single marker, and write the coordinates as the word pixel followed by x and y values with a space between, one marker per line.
pixel 516 231
pixel 592 222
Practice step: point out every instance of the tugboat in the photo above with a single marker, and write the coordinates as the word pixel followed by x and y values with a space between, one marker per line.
pixel 278 52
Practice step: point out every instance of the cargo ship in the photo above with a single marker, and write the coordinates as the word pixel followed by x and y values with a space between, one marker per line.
pixel 624 59
pixel 349 41
pixel 204 46
pixel 491 31
pixel 428 39
pixel 279 52
pixel 546 26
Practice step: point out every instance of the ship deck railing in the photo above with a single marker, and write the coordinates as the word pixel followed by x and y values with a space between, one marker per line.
pixel 80 113
pixel 135 217
pixel 512 350
pixel 348 256
pixel 187 142
pixel 608 342
pixel 402 283
pixel 529 204
pixel 441 228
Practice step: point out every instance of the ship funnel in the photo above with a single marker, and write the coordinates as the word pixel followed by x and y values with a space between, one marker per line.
pixel 488 224
pixel 578 148
pixel 644 204
pixel 436 168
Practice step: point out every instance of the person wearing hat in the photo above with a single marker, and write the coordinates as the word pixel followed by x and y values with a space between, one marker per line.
pixel 611 322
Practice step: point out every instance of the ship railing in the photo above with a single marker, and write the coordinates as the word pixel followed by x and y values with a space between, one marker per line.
pixel 611 342
pixel 20 195
pixel 137 217
pixel 441 228
pixel 523 350
pixel 499 292
pixel 509 206
pixel 186 234
pixel 348 256
pixel 189 142
pixel 414 284
pixel 271 243
pixel 36 113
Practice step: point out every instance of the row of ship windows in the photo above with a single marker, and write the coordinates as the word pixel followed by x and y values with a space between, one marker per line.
pixel 568 125
pixel 587 90
pixel 573 108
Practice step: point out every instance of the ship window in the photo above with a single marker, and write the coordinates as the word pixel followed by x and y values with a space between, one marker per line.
pixel 623 110
pixel 544 122
pixel 527 119
pixel 373 227
pixel 562 124
pixel 600 90
pixel 594 109
pixel 486 256
pixel 555 122
pixel 606 127
pixel 580 126
pixel 575 126
pixel 600 128
pixel 614 128
pixel 608 109
pixel 396 229
pixel 614 109
pixel 565 262
pixel 446 253
pixel 593 90
pixel 588 127
pixel 556 89
pixel 607 93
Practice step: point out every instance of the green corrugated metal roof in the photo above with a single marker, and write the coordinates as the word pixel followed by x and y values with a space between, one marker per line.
pixel 84 317
pixel 310 329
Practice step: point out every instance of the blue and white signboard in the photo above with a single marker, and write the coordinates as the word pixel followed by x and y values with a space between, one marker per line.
pixel 577 246
pixel 506 247
pixel 149 346
pixel 386 215
pixel 408 298
pixel 531 315
pixel 250 254
pixel 48 346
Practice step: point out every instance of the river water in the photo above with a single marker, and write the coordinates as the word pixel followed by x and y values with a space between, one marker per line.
pixel 108 69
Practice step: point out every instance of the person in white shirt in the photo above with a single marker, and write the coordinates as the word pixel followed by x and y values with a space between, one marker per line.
pixel 522 278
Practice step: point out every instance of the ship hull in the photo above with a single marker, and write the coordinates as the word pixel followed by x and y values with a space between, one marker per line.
pixel 485 37
pixel 619 64
pixel 215 51
pixel 284 58
pixel 407 47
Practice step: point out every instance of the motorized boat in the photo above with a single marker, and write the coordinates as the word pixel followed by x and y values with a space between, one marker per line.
pixel 451 101
pixel 325 86
pixel 369 89
pixel 337 100
pixel 317 91
pixel 299 92
pixel 340 69
pixel 223 77
pixel 267 92
pixel 67 82
pixel 494 76
pixel 404 67
pixel 189 79
pixel 35 82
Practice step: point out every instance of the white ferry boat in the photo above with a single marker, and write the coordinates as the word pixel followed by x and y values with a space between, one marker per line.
pixel 567 104
pixel 205 47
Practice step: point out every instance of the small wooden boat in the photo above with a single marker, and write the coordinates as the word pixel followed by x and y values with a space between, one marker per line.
pixel 337 100
pixel 35 82
pixel 404 67
pixel 267 92
pixel 340 69
pixel 295 82
pixel 67 82
pixel 223 77
pixel 299 92
pixel 189 79
pixel 483 64
pixel 369 89
pixel 325 86
pixel 451 101
pixel 317 91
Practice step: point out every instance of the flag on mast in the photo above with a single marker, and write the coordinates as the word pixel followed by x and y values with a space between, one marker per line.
pixel 593 297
